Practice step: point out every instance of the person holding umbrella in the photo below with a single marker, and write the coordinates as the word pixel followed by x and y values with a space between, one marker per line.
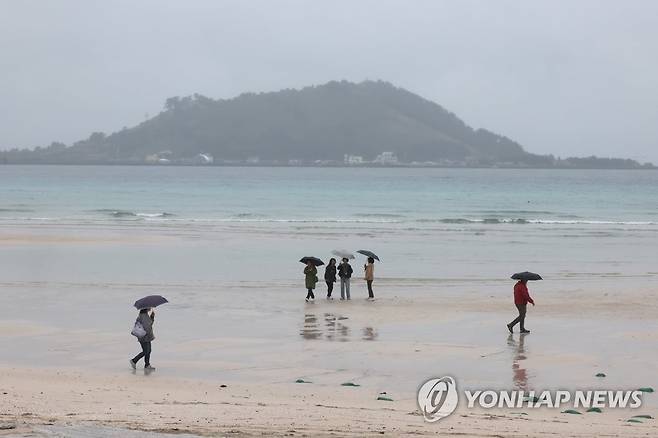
pixel 345 273
pixel 370 276
pixel 330 277
pixel 369 270
pixel 143 329
pixel 311 277
pixel 522 298
pixel 146 321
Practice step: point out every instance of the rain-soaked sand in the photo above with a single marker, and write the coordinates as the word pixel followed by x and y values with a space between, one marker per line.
pixel 65 343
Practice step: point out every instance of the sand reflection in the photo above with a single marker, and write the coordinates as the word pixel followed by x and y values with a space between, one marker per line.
pixel 333 327
pixel 519 371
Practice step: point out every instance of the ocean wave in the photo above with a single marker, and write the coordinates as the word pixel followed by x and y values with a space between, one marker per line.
pixel 28 219
pixel 589 222
pixel 153 215
pixel 249 218
pixel 534 221
pixel 16 210
pixel 303 220
pixel 379 215
pixel 457 221
pixel 474 221
pixel 508 212
pixel 128 213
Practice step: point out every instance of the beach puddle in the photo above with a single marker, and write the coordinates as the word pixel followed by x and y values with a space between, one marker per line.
pixel 88 431
pixel 334 327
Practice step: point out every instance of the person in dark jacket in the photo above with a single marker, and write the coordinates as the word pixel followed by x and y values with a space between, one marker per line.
pixel 330 277
pixel 146 321
pixel 521 300
pixel 345 273
pixel 311 278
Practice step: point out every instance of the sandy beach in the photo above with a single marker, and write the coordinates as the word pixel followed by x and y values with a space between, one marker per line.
pixel 38 402
pixel 57 378
pixel 182 185
pixel 236 317
pixel 328 219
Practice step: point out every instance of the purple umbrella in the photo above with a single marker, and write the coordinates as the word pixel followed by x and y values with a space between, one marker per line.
pixel 150 302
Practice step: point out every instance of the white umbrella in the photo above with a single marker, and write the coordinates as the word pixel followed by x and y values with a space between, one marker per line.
pixel 343 253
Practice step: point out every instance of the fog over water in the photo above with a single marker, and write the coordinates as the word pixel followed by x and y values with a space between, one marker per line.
pixel 558 77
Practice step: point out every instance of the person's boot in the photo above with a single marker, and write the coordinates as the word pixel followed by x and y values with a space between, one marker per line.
pixel 525 331
pixel 510 327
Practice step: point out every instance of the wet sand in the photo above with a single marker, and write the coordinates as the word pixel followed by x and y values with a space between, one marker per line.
pixel 72 374
pixel 66 315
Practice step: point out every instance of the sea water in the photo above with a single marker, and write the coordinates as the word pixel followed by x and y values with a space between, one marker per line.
pixel 402 197
pixel 254 223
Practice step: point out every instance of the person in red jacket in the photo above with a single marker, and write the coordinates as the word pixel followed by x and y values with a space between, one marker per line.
pixel 521 300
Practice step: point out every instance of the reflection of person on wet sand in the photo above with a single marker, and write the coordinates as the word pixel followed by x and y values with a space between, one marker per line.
pixel 310 330
pixel 369 334
pixel 520 374
pixel 334 329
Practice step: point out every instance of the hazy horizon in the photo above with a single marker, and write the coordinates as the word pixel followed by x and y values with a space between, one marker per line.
pixel 560 78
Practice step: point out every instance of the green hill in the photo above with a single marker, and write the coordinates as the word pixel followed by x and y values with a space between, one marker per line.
pixel 315 124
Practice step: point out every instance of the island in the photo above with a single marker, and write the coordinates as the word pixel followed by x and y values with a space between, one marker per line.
pixel 340 123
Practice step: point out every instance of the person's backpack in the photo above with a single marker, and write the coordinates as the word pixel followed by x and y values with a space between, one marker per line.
pixel 138 330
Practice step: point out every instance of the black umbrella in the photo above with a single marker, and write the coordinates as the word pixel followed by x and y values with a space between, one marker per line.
pixel 316 261
pixel 150 302
pixel 528 276
pixel 369 254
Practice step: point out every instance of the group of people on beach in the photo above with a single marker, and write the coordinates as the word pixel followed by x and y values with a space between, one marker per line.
pixel 344 271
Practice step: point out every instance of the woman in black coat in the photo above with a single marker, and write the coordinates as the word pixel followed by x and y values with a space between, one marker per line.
pixel 330 277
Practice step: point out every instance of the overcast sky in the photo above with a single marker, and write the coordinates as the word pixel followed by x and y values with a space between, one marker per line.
pixel 562 77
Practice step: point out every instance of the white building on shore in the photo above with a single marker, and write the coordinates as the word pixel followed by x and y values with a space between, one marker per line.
pixel 386 158
pixel 352 159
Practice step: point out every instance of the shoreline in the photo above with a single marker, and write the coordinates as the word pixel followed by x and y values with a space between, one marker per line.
pixel 338 166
